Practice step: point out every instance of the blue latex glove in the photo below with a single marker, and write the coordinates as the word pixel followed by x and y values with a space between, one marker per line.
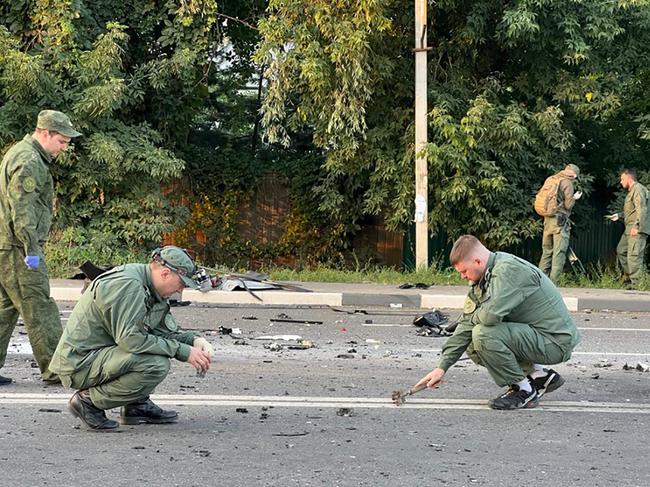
pixel 32 261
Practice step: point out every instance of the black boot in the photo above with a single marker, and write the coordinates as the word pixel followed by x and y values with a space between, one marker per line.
pixel 145 411
pixel 5 380
pixel 83 408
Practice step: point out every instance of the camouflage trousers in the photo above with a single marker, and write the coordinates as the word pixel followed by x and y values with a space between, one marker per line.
pixel 116 377
pixel 509 350
pixel 27 292
pixel 631 253
pixel 554 249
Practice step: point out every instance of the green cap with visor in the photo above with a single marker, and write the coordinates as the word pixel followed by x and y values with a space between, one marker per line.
pixel 178 261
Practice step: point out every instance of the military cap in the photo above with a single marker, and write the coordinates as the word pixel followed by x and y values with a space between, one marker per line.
pixel 574 168
pixel 56 122
pixel 178 261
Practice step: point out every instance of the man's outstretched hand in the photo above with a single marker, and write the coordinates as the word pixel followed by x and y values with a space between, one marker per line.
pixel 432 379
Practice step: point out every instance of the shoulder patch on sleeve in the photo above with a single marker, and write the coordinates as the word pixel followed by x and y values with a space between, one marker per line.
pixel 29 184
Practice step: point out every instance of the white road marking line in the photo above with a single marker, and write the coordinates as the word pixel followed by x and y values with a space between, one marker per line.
pixel 612 354
pixel 385 325
pixel 192 400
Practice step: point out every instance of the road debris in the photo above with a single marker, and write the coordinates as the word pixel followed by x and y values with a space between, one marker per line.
pixel 345 355
pixel 399 396
pixel 303 433
pixel 433 324
pixel 241 410
pixel 344 412
pixel 289 320
pixel 224 330
pixel 286 338
pixel 640 366
pixel 417 285
pixel 301 345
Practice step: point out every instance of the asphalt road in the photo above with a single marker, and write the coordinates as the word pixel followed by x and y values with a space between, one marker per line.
pixel 323 416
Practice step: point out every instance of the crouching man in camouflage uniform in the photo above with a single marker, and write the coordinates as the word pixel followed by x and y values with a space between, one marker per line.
pixel 117 345
pixel 514 323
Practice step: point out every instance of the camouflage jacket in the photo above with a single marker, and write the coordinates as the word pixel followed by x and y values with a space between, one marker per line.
pixel 511 291
pixel 121 308
pixel 635 209
pixel 26 191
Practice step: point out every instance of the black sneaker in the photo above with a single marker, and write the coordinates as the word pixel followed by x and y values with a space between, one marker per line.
pixel 547 383
pixel 515 398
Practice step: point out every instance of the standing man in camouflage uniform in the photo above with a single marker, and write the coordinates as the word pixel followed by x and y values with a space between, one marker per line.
pixel 26 191
pixel 514 322
pixel 557 228
pixel 117 345
pixel 631 247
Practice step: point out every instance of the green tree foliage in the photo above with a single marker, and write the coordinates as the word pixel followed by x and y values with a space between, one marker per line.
pixel 516 91
pixel 132 76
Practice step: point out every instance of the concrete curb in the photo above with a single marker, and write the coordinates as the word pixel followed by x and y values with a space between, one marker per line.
pixel 451 297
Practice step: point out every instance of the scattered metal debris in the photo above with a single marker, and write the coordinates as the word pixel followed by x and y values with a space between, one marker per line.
pixel 345 355
pixel 241 410
pixel 286 338
pixel 303 433
pixel 289 320
pixel 224 330
pixel 603 365
pixel 432 324
pixel 344 412
pixel 250 317
pixel 301 345
pixel 399 396
pixel 643 367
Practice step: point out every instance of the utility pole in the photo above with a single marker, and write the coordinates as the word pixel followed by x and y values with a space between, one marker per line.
pixel 421 172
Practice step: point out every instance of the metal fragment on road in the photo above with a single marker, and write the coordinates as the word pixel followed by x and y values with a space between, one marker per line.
pixel 399 397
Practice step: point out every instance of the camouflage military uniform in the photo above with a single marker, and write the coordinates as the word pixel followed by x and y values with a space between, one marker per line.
pixel 557 230
pixel 514 317
pixel 26 191
pixel 119 339
pixel 631 248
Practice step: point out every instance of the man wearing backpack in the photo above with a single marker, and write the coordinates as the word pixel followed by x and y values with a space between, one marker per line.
pixel 631 248
pixel 554 202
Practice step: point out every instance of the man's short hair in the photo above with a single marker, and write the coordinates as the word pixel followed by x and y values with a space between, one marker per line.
pixel 463 248
pixel 629 172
